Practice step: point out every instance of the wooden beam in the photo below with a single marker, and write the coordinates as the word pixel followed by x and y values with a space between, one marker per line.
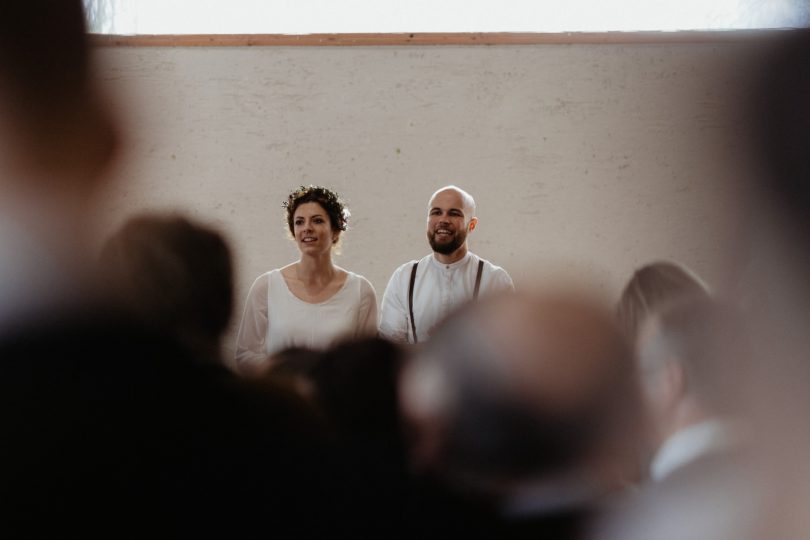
pixel 467 38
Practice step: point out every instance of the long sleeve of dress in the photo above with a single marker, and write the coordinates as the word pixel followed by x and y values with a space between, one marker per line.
pixel 250 347
pixel 367 314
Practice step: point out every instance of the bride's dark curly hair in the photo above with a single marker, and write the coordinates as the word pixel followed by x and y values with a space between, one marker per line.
pixel 328 199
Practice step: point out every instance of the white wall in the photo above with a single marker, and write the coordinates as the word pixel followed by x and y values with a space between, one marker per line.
pixel 586 160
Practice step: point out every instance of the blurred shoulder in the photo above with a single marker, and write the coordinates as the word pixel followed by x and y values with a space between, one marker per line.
pixel 360 281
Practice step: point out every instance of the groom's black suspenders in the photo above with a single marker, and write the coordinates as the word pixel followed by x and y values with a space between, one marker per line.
pixel 410 293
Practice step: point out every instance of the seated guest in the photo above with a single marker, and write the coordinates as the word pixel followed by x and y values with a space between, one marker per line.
pixel 110 429
pixel 175 275
pixel 293 367
pixel 356 382
pixel 521 409
pixel 683 368
pixel 58 142
pixel 354 386
pixel 652 286
pixel 692 358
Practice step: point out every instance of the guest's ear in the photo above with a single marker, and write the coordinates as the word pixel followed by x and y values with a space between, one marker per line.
pixel 472 224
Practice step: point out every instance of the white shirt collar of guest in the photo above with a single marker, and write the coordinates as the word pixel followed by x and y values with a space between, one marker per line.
pixel 452 266
pixel 691 443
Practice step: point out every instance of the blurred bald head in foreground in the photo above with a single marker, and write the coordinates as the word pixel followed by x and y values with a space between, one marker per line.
pixel 529 401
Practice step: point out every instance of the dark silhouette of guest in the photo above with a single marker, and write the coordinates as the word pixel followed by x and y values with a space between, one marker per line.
pixel 108 428
pixel 175 275
pixel 354 386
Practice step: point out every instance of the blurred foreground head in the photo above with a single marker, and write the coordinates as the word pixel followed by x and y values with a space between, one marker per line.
pixel 779 118
pixel 56 136
pixel 780 125
pixel 174 274
pixel 57 141
pixel 356 384
pixel 516 391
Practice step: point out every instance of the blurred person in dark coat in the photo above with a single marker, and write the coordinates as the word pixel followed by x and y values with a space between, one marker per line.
pixel 57 141
pixel 110 429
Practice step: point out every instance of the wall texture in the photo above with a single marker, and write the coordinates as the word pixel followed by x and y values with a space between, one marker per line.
pixel 585 160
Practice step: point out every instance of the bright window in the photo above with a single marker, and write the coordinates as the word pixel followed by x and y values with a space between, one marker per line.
pixel 399 16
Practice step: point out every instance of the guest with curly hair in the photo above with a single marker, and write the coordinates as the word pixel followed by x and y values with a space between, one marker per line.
pixel 312 302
